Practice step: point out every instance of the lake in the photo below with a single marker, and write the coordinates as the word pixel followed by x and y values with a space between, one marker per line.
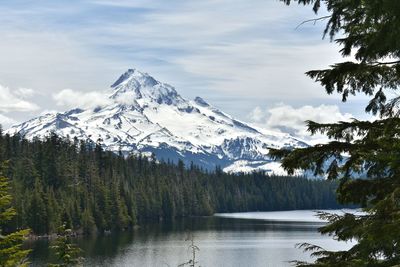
pixel 238 239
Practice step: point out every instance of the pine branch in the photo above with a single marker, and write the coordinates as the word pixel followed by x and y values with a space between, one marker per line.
pixel 385 63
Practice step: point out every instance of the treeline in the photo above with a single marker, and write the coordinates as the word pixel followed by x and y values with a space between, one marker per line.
pixel 56 181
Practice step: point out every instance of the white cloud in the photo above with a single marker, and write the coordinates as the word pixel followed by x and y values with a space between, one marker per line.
pixel 260 68
pixel 45 60
pixel 244 47
pixel 291 120
pixel 25 92
pixel 11 101
pixel 71 99
pixel 124 3
pixel 5 121
pixel 219 49
pixel 126 98
pixel 257 114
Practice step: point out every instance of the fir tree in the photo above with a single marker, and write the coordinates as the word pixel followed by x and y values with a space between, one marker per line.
pixel 369 175
pixel 11 253
pixel 88 223
pixel 37 216
pixel 68 254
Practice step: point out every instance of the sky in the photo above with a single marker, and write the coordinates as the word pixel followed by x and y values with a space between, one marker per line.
pixel 247 58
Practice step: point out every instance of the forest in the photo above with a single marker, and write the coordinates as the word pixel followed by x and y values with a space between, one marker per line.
pixel 57 181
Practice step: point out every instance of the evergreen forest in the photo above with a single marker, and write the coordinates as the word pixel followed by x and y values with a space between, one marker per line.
pixel 57 181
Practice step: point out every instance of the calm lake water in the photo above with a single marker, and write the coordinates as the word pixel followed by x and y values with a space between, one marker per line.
pixel 238 239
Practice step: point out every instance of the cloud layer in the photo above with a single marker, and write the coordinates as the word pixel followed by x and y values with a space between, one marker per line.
pixel 247 49
pixel 69 98
pixel 236 54
pixel 13 100
pixel 291 120
pixel 5 121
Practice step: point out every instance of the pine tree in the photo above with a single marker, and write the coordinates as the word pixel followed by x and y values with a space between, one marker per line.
pixel 119 214
pixel 68 254
pixel 88 224
pixel 37 216
pixel 369 174
pixel 168 206
pixel 53 221
pixel 11 253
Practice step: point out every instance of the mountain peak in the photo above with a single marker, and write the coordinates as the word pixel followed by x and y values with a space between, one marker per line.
pixel 138 76
pixel 148 116
pixel 144 86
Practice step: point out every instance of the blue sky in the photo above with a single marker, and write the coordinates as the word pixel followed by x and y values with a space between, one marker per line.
pixel 245 57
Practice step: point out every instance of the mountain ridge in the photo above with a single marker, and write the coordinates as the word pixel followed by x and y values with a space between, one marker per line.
pixel 145 115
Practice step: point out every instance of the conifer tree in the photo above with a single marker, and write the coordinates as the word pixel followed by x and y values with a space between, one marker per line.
pixel 11 253
pixel 363 155
pixel 88 223
pixel 119 213
pixel 37 217
pixel 68 254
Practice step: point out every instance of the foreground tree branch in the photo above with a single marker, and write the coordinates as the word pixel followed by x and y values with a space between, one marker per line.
pixel 363 155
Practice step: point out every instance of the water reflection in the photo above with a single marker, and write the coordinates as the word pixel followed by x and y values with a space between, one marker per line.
pixel 222 242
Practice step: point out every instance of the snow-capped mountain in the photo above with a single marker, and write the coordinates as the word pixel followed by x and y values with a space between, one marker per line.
pixel 147 116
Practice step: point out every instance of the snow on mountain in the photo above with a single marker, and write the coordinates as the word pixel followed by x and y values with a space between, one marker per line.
pixel 147 116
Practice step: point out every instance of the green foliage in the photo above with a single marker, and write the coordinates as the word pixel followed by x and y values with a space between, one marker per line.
pixel 369 31
pixel 11 253
pixel 68 254
pixel 372 150
pixel 97 191
pixel 370 171
pixel 88 223
pixel 37 215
